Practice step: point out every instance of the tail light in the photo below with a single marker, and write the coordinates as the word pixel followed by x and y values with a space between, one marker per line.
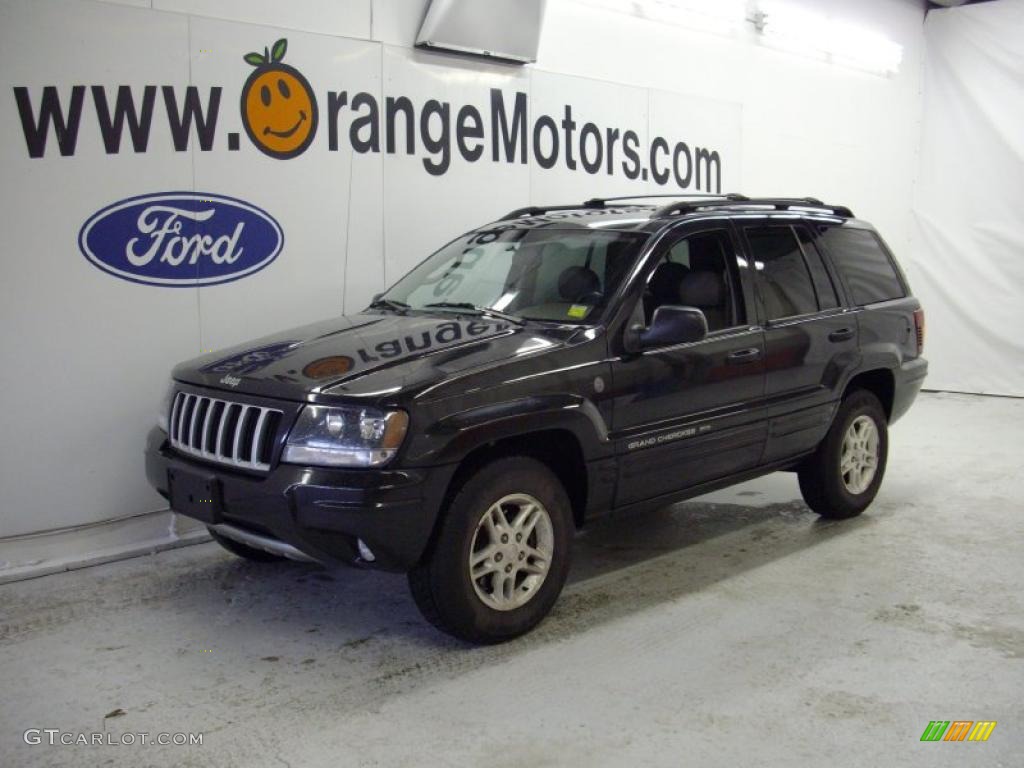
pixel 919 327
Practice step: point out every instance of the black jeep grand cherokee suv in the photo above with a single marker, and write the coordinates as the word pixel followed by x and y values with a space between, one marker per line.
pixel 540 371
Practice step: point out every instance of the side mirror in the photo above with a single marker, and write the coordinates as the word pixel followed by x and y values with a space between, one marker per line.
pixel 670 325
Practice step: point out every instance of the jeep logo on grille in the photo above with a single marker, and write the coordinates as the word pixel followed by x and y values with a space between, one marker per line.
pixel 181 239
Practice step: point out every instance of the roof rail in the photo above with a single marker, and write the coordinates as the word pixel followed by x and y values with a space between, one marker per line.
pixel 600 202
pixel 775 203
pixel 539 210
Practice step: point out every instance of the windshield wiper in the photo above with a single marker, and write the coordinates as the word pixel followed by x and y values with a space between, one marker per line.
pixel 465 305
pixel 392 304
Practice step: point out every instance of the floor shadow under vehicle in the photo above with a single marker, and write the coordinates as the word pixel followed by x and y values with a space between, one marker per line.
pixel 621 564
pixel 228 634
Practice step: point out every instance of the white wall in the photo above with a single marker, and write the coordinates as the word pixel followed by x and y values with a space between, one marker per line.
pixel 966 262
pixel 86 355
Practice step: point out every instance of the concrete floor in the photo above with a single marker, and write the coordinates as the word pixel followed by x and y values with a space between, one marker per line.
pixel 734 630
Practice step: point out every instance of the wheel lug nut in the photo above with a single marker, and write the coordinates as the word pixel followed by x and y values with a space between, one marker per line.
pixel 504 538
pixel 519 537
pixel 508 569
pixel 522 555
pixel 497 557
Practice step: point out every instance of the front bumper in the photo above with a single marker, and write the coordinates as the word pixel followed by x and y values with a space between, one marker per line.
pixel 321 511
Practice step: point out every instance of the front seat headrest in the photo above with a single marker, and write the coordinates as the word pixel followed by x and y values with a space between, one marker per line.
pixel 705 253
pixel 575 283
pixel 666 282
pixel 703 289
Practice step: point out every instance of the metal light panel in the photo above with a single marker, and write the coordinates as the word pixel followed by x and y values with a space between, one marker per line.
pixel 501 29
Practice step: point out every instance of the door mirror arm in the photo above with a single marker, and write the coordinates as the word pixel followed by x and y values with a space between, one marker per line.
pixel 631 339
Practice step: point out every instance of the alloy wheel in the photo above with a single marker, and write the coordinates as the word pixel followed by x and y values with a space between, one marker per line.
pixel 858 460
pixel 511 552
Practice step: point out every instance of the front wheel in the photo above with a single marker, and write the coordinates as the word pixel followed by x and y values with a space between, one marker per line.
pixel 501 556
pixel 843 476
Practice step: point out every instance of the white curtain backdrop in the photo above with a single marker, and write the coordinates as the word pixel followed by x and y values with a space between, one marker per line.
pixel 967 258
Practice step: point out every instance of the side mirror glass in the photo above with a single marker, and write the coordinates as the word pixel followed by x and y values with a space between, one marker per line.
pixel 673 324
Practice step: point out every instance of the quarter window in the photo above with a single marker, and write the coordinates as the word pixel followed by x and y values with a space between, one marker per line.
pixel 863 263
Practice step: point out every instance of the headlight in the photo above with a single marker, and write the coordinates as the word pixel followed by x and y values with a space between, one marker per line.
pixel 345 437
pixel 165 407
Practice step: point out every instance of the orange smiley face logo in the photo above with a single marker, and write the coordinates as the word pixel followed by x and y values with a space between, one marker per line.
pixel 278 106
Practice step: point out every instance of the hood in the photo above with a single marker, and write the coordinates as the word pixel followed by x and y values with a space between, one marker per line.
pixel 376 357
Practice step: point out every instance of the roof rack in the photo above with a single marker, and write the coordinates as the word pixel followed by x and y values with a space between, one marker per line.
pixel 689 203
pixel 775 203
pixel 596 203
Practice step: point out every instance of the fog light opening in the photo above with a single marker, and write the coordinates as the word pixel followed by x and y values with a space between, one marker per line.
pixel 365 552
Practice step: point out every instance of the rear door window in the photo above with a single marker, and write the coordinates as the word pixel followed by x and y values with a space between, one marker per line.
pixel 786 285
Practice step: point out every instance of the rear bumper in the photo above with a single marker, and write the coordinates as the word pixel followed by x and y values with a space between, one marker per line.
pixel 909 378
pixel 318 511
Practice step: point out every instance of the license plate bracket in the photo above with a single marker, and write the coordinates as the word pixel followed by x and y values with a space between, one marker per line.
pixel 195 495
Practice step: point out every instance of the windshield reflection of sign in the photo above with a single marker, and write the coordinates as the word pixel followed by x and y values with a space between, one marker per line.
pixel 335 365
pixel 251 360
pixel 452 276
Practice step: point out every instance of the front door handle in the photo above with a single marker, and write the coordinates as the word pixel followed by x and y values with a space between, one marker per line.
pixel 843 334
pixel 744 356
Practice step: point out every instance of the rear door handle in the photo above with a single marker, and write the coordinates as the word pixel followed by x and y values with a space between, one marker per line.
pixel 843 334
pixel 744 356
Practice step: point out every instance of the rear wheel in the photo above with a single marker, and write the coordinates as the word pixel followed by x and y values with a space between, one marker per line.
pixel 843 476
pixel 501 555
pixel 240 549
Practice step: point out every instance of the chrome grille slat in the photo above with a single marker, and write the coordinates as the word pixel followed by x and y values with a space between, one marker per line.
pixel 220 430
pixel 192 421
pixel 203 436
pixel 181 414
pixel 239 426
pixel 173 422
pixel 257 434
pixel 193 436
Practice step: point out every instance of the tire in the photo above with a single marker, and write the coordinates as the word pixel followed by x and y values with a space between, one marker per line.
pixel 828 490
pixel 487 610
pixel 242 550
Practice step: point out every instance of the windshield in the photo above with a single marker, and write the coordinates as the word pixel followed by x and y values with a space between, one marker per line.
pixel 564 275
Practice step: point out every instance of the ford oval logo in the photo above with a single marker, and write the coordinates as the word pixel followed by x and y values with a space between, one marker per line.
pixel 181 239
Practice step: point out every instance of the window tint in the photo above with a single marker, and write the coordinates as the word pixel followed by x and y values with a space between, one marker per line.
pixel 785 282
pixel 822 282
pixel 859 257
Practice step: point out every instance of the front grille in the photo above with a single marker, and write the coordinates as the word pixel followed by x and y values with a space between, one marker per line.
pixel 237 434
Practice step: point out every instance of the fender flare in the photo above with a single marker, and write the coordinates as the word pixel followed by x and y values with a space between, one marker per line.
pixel 452 438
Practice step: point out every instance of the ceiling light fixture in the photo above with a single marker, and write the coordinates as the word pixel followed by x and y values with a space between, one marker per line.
pixel 796 30
pixel 723 17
